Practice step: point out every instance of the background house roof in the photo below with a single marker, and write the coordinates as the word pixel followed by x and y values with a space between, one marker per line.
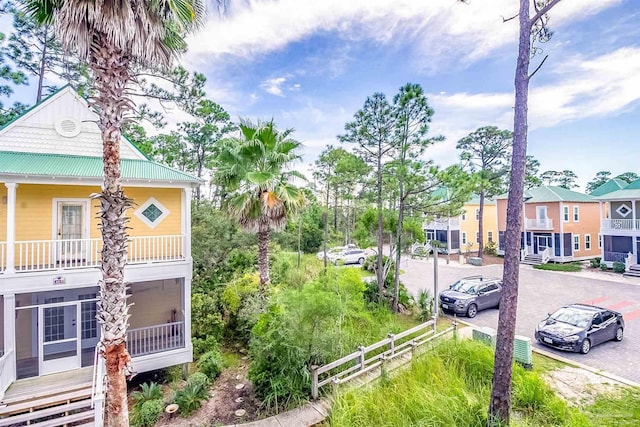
pixel 631 191
pixel 66 166
pixel 549 193
pixel 475 200
pixel 609 187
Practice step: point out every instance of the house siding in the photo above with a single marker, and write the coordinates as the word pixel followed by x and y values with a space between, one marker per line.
pixel 153 302
pixel 470 224
pixel 589 223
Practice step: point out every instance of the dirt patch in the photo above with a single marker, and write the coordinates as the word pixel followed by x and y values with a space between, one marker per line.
pixel 580 387
pixel 227 398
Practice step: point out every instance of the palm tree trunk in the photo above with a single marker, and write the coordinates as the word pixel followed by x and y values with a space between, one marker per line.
pixel 263 258
pixel 111 69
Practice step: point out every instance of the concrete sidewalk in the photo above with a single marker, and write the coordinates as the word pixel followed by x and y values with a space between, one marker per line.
pixel 308 415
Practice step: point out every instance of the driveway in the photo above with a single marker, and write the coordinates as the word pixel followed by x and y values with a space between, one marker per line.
pixel 541 292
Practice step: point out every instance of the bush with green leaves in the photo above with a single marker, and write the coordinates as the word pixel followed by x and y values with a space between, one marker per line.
pixel 242 302
pixel 211 364
pixel 207 325
pixel 148 391
pixel 189 399
pixel 325 320
pixel 425 305
pixel 619 267
pixel 147 414
pixel 595 262
pixel 490 248
pixel 603 266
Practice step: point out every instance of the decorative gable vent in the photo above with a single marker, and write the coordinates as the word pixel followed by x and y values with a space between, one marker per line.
pixel 68 127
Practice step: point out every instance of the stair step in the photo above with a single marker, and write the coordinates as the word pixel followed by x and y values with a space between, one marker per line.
pixel 46 412
pixel 632 273
pixel 44 393
pixel 61 421
pixel 24 405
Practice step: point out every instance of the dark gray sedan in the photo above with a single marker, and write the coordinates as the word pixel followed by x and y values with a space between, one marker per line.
pixel 578 327
pixel 469 295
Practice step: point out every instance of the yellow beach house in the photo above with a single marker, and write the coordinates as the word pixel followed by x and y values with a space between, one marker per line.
pixel 50 245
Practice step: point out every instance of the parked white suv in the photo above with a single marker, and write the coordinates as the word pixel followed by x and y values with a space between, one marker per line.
pixel 349 256
pixel 335 250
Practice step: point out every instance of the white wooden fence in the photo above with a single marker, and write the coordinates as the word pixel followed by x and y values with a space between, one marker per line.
pixel 357 363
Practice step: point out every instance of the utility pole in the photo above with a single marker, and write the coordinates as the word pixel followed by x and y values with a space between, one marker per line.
pixel 435 245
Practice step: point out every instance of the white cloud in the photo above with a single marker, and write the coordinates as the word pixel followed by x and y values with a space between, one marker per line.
pixel 440 29
pixel 274 85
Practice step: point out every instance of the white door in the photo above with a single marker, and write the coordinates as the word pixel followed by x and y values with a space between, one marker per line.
pixel 72 230
pixel 541 213
pixel 58 336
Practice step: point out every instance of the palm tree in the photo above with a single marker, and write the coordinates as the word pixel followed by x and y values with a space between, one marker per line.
pixel 112 36
pixel 254 171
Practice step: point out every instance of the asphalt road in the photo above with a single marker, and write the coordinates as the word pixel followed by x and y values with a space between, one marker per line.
pixel 541 292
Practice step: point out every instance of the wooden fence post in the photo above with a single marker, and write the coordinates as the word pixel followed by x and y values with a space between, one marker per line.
pixel 362 357
pixel 392 344
pixel 314 382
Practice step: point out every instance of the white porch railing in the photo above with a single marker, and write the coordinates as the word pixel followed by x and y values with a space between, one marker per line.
pixel 619 224
pixel 7 372
pixel 539 223
pixel 442 223
pixel 546 255
pixel 629 261
pixel 38 255
pixel 615 256
pixel 155 339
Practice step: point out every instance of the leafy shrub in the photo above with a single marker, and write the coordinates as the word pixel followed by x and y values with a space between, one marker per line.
pixel 595 262
pixel 370 263
pixel 203 345
pixel 603 267
pixel 619 267
pixel 425 305
pixel 206 322
pixel 252 308
pixel 490 248
pixel 236 290
pixel 190 398
pixel 148 391
pixel 211 364
pixel 147 414
pixel 242 302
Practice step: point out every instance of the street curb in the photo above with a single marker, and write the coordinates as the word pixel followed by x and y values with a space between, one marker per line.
pixel 571 362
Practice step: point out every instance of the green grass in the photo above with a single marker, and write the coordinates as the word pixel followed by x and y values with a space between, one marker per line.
pixel 543 364
pixel 570 267
pixel 451 386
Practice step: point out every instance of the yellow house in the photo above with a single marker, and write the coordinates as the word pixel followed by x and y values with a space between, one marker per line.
pixel 469 224
pixel 50 245
pixel 456 233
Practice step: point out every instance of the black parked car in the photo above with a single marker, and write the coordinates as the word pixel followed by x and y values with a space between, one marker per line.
pixel 469 295
pixel 578 327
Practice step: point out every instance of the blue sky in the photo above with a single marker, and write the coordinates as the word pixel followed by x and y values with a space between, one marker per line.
pixel 310 64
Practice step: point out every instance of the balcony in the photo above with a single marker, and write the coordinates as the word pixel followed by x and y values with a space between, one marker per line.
pixel 155 339
pixel 538 224
pixel 442 223
pixel 619 224
pixel 43 255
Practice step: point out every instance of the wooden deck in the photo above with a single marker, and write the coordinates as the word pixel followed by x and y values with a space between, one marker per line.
pixel 32 388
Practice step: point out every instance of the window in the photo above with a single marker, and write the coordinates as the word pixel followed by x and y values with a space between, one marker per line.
pixel 477 214
pixel 576 213
pixel 576 242
pixel 152 212
pixel 477 237
pixel 464 215
pixel 464 238
pixel 490 236
pixel 587 242
pixel 491 287
pixel 565 213
pixel 599 241
pixel 53 320
pixel 88 312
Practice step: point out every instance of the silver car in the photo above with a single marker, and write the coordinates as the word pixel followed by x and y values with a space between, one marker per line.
pixel 349 256
pixel 469 295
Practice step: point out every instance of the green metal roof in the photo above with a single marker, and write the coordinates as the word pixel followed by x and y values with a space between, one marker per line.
pixel 61 166
pixel 548 193
pixel 631 191
pixel 475 200
pixel 609 187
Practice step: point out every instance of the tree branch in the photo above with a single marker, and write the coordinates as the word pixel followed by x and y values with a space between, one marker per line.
pixel 542 12
pixel 509 19
pixel 537 68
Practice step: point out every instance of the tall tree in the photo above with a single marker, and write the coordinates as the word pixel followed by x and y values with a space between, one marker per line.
pixel 628 177
pixel 600 178
pixel 486 152
pixel 351 173
pixel 9 77
pixel 567 179
pixel 412 116
pixel 34 49
pixel 550 177
pixel 372 133
pixel 254 170
pixel 531 172
pixel 110 37
pixel 532 29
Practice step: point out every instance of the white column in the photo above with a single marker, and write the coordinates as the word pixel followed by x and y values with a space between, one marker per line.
pixel 10 331
pixel 633 215
pixel 561 232
pixel 11 226
pixel 186 222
